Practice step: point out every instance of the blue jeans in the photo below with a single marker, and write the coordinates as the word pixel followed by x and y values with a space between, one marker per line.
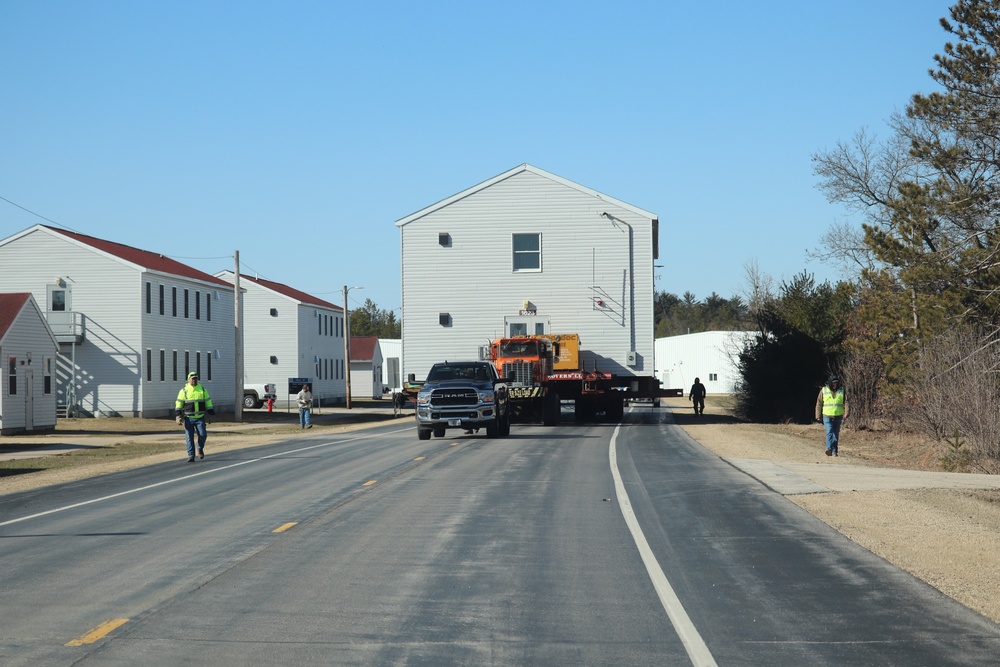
pixel 192 426
pixel 832 425
pixel 304 417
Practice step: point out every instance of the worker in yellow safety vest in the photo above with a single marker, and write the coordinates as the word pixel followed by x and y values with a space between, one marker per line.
pixel 831 409
pixel 193 408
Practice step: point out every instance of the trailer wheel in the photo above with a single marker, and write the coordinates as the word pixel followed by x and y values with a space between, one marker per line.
pixel 551 409
pixel 493 428
pixel 423 433
pixel 614 409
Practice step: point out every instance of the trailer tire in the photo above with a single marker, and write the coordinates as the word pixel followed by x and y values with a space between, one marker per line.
pixel 493 428
pixel 551 409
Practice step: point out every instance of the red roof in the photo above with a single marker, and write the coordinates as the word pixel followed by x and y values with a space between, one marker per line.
pixel 10 306
pixel 291 292
pixel 363 348
pixel 144 258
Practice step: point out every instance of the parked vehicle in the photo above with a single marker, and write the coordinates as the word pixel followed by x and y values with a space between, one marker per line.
pixel 467 394
pixel 254 395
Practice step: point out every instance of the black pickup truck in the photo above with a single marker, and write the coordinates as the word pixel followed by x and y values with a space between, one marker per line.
pixel 462 394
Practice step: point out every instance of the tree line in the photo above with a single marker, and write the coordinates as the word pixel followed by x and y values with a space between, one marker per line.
pixel 914 330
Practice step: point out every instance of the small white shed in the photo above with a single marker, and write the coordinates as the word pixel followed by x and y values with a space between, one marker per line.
pixel 28 350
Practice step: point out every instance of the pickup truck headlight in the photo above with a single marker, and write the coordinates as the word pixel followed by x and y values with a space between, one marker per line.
pixel 486 397
pixel 423 399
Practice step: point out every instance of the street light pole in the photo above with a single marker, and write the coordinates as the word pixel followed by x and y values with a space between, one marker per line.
pixel 347 344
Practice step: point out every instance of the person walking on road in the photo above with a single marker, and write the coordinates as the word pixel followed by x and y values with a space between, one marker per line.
pixel 831 409
pixel 697 396
pixel 305 399
pixel 194 407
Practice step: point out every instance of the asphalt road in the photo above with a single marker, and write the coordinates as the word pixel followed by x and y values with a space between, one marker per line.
pixel 576 545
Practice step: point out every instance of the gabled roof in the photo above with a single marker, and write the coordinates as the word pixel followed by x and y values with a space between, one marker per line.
pixel 10 306
pixel 363 347
pixel 285 290
pixel 140 258
pixel 513 172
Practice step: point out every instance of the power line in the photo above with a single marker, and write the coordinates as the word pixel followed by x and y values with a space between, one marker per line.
pixel 39 215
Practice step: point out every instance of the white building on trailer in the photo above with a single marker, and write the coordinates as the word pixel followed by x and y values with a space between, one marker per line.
pixel 28 352
pixel 288 333
pixel 528 252
pixel 709 355
pixel 130 323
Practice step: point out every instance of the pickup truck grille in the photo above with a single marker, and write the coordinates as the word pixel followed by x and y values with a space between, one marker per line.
pixel 520 373
pixel 463 397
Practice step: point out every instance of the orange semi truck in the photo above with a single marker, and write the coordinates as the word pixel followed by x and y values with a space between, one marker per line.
pixel 542 371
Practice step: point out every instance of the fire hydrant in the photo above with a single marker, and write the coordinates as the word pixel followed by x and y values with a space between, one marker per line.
pixel 270 404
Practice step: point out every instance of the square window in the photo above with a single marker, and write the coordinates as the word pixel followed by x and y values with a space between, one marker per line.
pixel 527 252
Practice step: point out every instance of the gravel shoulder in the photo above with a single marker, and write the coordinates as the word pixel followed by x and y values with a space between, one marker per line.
pixel 887 492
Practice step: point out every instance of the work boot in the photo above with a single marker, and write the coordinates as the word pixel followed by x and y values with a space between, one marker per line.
pixel 201 453
pixel 191 460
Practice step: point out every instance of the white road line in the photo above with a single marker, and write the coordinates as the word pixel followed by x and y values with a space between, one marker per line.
pixel 693 643
pixel 186 477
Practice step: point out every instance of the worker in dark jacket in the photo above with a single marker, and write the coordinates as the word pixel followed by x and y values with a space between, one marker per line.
pixel 697 396
pixel 193 407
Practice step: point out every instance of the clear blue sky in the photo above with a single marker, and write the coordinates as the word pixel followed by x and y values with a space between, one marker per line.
pixel 299 132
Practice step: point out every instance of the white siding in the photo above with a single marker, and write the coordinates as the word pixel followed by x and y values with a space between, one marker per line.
pixel 584 256
pixel 27 337
pixel 392 356
pixel 297 334
pixel 192 335
pixel 110 294
pixel 680 359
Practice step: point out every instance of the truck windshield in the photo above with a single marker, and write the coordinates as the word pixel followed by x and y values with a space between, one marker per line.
pixel 458 372
pixel 519 348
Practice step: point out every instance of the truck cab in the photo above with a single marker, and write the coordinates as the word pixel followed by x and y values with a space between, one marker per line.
pixel 466 394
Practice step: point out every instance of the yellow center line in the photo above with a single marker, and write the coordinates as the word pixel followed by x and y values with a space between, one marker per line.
pixel 370 482
pixel 98 632
pixel 420 458
pixel 284 527
pixel 454 444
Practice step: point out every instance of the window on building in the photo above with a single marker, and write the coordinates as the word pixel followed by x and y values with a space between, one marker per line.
pixel 186 310
pixel 518 329
pixel 208 305
pixel 12 376
pixel 713 377
pixel 173 291
pixel 47 383
pixel 208 365
pixel 197 363
pixel 319 324
pixel 187 364
pixel 197 305
pixel 149 298
pixel 527 250
pixel 175 365
pixel 149 365
pixel 161 299
pixel 58 299
pixel 163 365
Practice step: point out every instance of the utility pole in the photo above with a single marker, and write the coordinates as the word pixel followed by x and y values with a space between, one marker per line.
pixel 347 349
pixel 238 356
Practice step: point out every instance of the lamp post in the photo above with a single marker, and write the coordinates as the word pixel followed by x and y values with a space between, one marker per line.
pixel 347 344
